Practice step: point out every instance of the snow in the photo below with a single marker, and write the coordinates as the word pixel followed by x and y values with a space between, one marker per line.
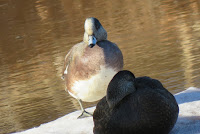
pixel 188 121
pixel 189 112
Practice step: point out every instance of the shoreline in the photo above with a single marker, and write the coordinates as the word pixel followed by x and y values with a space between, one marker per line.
pixel 188 121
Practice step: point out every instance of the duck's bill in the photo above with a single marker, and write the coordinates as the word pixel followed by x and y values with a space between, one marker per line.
pixel 92 41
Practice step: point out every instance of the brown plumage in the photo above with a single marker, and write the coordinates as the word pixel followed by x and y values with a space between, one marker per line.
pixel 91 64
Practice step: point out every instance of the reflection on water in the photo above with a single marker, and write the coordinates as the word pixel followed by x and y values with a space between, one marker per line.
pixel 158 38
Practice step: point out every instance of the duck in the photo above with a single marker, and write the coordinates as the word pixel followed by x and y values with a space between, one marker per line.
pixel 135 106
pixel 91 64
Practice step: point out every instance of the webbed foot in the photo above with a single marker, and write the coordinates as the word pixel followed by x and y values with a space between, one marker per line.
pixel 85 114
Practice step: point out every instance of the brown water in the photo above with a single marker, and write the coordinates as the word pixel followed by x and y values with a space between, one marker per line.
pixel 158 38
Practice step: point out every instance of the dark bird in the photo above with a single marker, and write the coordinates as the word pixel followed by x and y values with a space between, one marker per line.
pixel 135 106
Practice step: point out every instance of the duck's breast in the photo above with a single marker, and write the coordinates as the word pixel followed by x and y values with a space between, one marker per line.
pixel 92 69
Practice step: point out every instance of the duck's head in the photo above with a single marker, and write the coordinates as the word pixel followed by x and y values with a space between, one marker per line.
pixel 122 84
pixel 94 32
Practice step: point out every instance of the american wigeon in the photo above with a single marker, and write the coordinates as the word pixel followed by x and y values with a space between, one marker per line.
pixel 135 106
pixel 90 65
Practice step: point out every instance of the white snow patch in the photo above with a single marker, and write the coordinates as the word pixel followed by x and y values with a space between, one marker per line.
pixel 187 123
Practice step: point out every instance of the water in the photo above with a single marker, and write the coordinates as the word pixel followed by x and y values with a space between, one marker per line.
pixel 158 38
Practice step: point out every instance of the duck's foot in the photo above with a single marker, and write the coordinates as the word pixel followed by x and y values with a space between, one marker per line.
pixel 85 114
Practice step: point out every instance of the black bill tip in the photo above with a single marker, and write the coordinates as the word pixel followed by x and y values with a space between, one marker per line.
pixel 91 45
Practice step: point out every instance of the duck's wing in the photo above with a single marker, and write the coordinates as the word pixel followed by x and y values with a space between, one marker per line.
pixel 66 63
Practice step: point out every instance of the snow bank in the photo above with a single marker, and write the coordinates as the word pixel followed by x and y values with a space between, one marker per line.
pixel 188 121
pixel 189 115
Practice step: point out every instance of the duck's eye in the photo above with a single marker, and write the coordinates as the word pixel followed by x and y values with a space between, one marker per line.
pixel 97 27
